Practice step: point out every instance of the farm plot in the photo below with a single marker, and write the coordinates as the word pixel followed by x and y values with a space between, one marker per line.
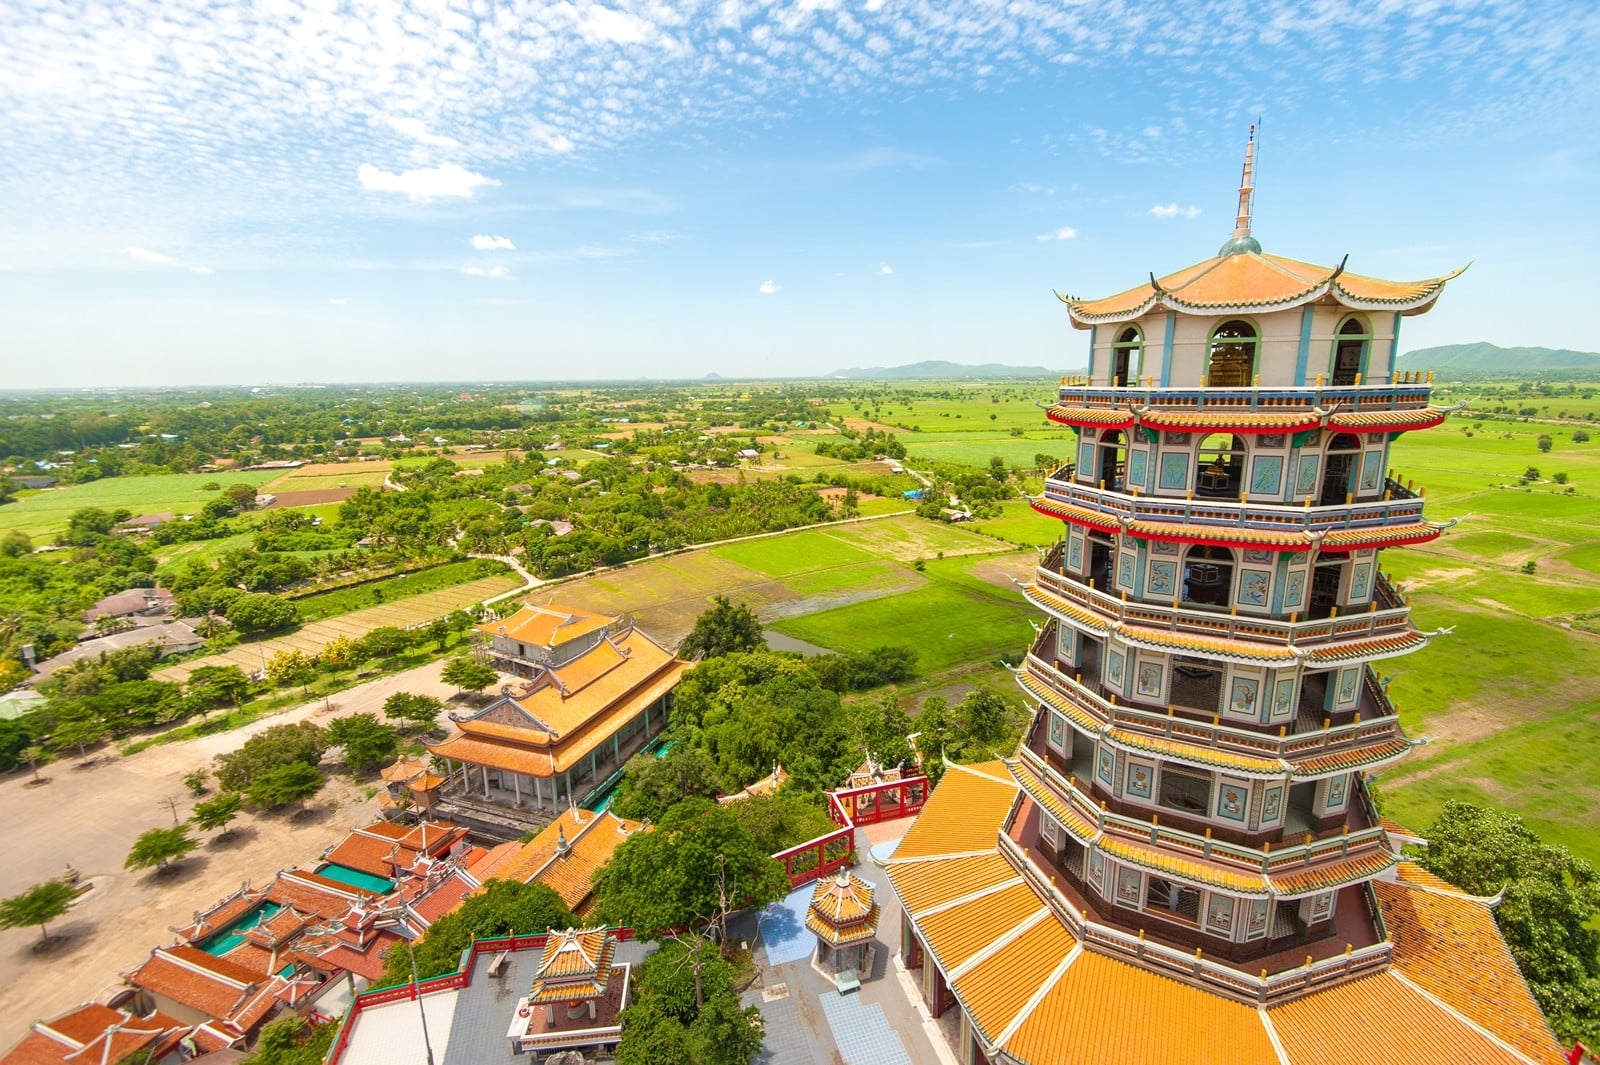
pixel 313 637
pixel 44 514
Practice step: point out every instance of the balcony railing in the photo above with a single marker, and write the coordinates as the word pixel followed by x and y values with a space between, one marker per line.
pixel 1213 735
pixel 1274 517
pixel 1193 968
pixel 1264 860
pixel 1387 614
pixel 1385 396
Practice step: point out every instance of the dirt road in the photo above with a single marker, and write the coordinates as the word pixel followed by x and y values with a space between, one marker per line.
pixel 90 816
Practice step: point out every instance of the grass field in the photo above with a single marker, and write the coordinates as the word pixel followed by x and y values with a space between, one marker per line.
pixel 44 514
pixel 434 579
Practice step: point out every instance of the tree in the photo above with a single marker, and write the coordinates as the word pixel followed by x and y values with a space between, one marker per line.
pixel 195 781
pixel 81 730
pixel 685 1011
pixel 39 905
pixel 291 667
pixel 724 629
pixel 367 742
pixel 420 712
pixel 219 685
pixel 292 1040
pixel 34 756
pixel 276 746
pixel 337 653
pixel 468 675
pixel 1544 442
pixel 260 612
pixel 1550 900
pixel 503 907
pixel 217 812
pixel 15 544
pixel 651 786
pixel 386 641
pixel 697 866
pixel 159 848
pixel 295 782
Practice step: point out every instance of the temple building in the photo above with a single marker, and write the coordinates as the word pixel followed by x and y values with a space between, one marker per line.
pixel 599 691
pixel 1186 831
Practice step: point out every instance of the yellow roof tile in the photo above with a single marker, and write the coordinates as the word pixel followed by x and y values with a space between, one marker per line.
pixel 961 932
pixel 996 989
pixel 591 840
pixel 1452 948
pixel 967 810
pixel 925 884
pixel 1103 1010
pixel 1394 1022
pixel 546 626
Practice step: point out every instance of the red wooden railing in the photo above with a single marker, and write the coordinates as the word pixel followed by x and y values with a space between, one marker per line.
pixel 850 807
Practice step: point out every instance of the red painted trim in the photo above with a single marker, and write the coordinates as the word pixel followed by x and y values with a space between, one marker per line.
pixel 1388 427
pixel 1044 508
pixel 1088 423
pixel 1246 429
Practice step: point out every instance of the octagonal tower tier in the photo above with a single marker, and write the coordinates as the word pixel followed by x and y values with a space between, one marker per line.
pixel 1206 699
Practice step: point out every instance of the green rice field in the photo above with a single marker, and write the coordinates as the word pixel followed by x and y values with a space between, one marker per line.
pixel 43 514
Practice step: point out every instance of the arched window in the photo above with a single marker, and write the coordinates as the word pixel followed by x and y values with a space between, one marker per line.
pixel 1338 469
pixel 1219 465
pixel 1127 357
pixel 1350 346
pixel 1233 354
pixel 1207 575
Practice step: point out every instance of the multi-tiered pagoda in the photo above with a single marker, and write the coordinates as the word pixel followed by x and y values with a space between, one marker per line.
pixel 1183 861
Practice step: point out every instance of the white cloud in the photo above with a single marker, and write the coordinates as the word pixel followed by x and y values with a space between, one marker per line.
pixel 885 269
pixel 1064 233
pixel 1172 210
pixel 499 273
pixel 484 242
pixel 417 131
pixel 200 269
pixel 769 287
pixel 145 255
pixel 423 185
pixel 336 302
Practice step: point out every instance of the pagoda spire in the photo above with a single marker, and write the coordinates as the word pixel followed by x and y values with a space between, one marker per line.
pixel 1242 241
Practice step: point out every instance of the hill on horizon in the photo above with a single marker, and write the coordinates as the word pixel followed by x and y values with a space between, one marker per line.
pixel 1485 359
pixel 938 369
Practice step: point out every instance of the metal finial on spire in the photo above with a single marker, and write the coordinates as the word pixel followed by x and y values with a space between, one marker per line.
pixel 1242 241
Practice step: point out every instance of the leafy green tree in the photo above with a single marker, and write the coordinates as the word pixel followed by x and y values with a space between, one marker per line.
pixel 386 641
pixel 35 756
pixel 81 730
pixel 219 685
pixel 291 667
pixel 159 848
pixel 15 544
pixel 367 742
pixel 276 746
pixel 217 812
pixel 503 907
pixel 195 781
pixel 784 819
pixel 695 868
pixel 651 786
pixel 260 612
pixel 724 629
pixel 685 1011
pixel 1546 915
pixel 39 905
pixel 468 675
pixel 420 712
pixel 292 1040
pixel 296 782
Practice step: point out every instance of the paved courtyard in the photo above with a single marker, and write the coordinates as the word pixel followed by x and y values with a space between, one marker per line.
pixel 808 1021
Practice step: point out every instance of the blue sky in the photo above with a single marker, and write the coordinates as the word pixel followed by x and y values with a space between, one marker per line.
pixel 330 190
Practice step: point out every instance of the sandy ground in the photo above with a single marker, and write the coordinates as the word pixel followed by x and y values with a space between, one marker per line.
pixel 90 816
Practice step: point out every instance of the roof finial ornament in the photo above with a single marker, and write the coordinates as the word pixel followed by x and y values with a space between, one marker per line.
pixel 1242 241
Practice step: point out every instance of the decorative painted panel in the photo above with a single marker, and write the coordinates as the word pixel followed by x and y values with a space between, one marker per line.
pixel 1371 471
pixel 1322 906
pixel 1256 555
pixel 1058 731
pixel 1266 474
pixel 1295 591
pixel 1136 462
pixel 1149 679
pixel 1360 581
pixel 1272 440
pixel 1177 439
pixel 1075 553
pixel 1253 587
pixel 1163 578
pixel 1219 913
pixel 1258 918
pixel 1114 664
pixel 1305 481
pixel 1336 790
pixel 1107 765
pixel 1047 829
pixel 1299 558
pixel 1125 570
pixel 1174 471
pixel 1163 547
pixel 1283 698
pixel 1097 868
pixel 1242 696
pixel 1085 460
pixel 1129 886
pixel 1349 681
pixel 1231 800
pixel 1271 804
pixel 1141 780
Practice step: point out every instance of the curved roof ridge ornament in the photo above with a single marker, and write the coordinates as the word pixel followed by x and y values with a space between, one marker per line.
pixel 1156 285
pixel 1337 270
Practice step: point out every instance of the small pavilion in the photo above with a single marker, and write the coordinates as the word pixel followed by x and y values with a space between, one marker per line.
pixel 409 782
pixel 576 995
pixel 843 914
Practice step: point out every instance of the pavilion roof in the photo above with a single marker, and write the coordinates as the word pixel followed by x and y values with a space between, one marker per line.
pixel 575 964
pixel 546 626
pixel 93 1034
pixel 842 911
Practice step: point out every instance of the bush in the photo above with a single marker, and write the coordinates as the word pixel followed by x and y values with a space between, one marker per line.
pixel 259 612
pixel 277 746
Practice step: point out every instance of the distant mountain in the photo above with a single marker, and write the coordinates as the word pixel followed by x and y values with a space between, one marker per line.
pixel 1484 359
pixel 939 370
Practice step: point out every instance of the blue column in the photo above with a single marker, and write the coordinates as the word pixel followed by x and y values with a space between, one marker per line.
pixel 1092 331
pixel 1166 350
pixel 1304 359
pixel 1394 347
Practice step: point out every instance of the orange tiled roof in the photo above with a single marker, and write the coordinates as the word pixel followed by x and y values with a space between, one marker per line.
pixel 1353 758
pixel 925 884
pixel 1241 418
pixel 1058 808
pixel 546 626
pixel 223 914
pixel 1266 765
pixel 90 1033
pixel 983 802
pixel 1325 875
pixel 1450 946
pixel 843 910
pixel 213 986
pixel 998 988
pixel 442 897
pixel 1190 869
pixel 575 964
pixel 1100 418
pixel 310 893
pixel 1106 1010
pixel 962 932
pixel 1366 650
pixel 1077 515
pixel 1379 1020
pixel 1376 421
pixel 591 841
pixel 378 848
pixel 1255 280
